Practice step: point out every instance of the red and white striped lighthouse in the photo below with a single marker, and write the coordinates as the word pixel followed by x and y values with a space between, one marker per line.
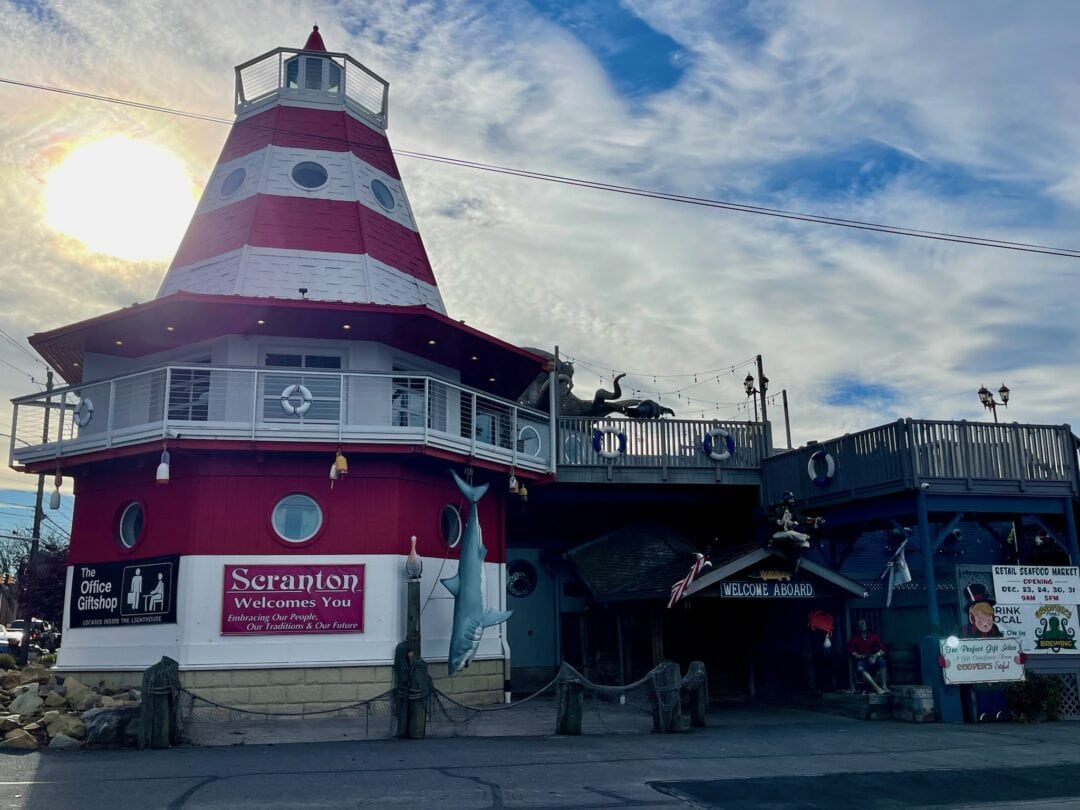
pixel 299 390
pixel 306 192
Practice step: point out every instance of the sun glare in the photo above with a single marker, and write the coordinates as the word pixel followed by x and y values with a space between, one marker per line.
pixel 120 196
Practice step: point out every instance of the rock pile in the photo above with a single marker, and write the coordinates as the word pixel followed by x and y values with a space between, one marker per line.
pixel 39 708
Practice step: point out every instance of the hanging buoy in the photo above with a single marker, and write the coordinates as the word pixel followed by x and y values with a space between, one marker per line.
pixel 163 468
pixel 341 464
pixel 513 484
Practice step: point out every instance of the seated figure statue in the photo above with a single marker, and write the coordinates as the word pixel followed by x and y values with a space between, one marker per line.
pixel 790 524
pixel 869 653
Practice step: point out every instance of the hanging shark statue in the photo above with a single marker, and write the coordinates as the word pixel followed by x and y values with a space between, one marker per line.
pixel 467 587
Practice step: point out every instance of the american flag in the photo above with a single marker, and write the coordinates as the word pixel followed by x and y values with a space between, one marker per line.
pixel 678 590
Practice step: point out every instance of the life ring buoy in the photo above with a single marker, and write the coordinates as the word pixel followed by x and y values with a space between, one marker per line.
pixel 84 412
pixel 598 442
pixel 709 446
pixel 286 397
pixel 812 467
pixel 523 436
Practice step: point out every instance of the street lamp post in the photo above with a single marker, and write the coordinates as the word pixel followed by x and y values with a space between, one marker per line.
pixel 986 397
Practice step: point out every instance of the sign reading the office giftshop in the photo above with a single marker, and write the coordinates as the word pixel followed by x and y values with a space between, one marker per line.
pixel 124 593
pixel 264 599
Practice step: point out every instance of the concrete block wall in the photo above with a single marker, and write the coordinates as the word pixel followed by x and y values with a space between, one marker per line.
pixel 914 704
pixel 315 688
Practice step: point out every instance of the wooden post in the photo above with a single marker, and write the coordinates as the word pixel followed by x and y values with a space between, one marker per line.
pixel 400 691
pixel 417 685
pixel 569 700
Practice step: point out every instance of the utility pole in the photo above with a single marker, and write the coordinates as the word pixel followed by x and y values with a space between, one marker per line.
pixel 39 513
pixel 787 419
pixel 763 386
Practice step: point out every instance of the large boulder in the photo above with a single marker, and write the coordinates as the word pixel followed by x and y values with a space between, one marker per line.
pixel 80 696
pixel 19 740
pixel 118 726
pixel 34 674
pixel 62 742
pixel 26 703
pixel 67 724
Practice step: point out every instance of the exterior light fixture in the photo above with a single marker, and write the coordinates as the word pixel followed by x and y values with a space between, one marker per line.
pixel 261 322
pixel 170 328
pixel 118 342
pixel 473 357
pixel 491 379
pixel 346 326
pixel 432 342
pixel 986 397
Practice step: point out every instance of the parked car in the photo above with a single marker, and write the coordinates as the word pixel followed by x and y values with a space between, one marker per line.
pixel 38 632
pixel 10 639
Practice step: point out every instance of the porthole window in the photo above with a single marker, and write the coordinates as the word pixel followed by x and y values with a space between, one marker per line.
pixel 382 194
pixel 233 182
pixel 296 518
pixel 450 525
pixel 309 175
pixel 130 526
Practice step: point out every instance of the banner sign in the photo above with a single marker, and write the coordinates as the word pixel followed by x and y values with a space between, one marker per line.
pixel 121 593
pixel 1036 584
pixel 981 660
pixel 740 589
pixel 262 599
pixel 1039 628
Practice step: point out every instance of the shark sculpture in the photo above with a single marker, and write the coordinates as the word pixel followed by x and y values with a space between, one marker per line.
pixel 467 588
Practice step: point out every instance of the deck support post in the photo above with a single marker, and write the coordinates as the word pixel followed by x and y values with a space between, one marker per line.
pixel 932 610
pixel 1070 531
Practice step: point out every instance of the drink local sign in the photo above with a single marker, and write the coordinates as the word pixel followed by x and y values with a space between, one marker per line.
pixel 264 599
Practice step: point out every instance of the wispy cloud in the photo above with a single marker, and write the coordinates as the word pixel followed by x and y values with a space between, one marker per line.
pixel 919 114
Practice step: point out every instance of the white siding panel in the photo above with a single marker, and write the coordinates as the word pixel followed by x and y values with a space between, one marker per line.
pixel 195 641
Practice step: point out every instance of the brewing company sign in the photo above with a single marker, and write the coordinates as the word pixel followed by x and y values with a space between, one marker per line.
pixel 264 599
pixel 123 593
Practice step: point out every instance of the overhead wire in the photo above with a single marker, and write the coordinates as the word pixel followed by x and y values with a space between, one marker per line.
pixel 817 219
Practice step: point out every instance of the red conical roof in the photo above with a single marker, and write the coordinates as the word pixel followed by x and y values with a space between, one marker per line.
pixel 314 41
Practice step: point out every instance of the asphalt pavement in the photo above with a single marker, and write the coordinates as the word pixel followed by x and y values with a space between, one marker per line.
pixel 760 756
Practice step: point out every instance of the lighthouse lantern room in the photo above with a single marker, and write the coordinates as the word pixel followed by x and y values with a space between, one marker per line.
pixel 254 450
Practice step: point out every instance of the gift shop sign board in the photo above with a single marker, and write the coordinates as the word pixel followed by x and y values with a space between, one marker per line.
pixel 112 594
pixel 1036 584
pixel 981 660
pixel 296 599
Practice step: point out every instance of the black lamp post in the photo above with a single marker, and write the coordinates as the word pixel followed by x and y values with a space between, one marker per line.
pixel 986 397
pixel 748 386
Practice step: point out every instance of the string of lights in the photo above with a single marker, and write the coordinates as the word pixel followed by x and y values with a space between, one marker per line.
pixel 816 219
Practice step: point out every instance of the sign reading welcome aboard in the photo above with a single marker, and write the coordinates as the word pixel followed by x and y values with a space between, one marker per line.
pixel 742 589
pixel 260 599
pixel 123 593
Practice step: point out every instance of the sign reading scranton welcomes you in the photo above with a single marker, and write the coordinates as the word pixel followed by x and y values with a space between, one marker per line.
pixel 261 599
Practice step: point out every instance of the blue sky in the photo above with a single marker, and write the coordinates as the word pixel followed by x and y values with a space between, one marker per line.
pixel 922 115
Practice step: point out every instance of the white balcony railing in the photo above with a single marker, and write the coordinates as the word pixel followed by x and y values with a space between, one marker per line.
pixel 295 405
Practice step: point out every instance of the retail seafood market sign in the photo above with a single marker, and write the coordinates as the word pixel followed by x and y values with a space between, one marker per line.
pixel 263 599
pixel 1036 584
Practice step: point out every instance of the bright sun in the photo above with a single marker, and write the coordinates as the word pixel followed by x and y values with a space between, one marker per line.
pixel 120 196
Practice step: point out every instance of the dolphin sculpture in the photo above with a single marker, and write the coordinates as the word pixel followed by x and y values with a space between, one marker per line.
pixel 467 588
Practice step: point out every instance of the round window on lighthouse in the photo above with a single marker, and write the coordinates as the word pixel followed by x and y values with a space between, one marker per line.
pixel 297 518
pixel 309 175
pixel 382 194
pixel 130 525
pixel 231 184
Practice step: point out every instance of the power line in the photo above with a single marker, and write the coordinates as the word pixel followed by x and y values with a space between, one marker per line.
pixel 20 347
pixel 780 213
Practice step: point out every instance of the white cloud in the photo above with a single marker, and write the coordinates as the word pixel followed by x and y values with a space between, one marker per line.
pixel 633 283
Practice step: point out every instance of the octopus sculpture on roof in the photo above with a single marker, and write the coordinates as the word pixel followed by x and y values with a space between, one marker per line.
pixel 604 402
